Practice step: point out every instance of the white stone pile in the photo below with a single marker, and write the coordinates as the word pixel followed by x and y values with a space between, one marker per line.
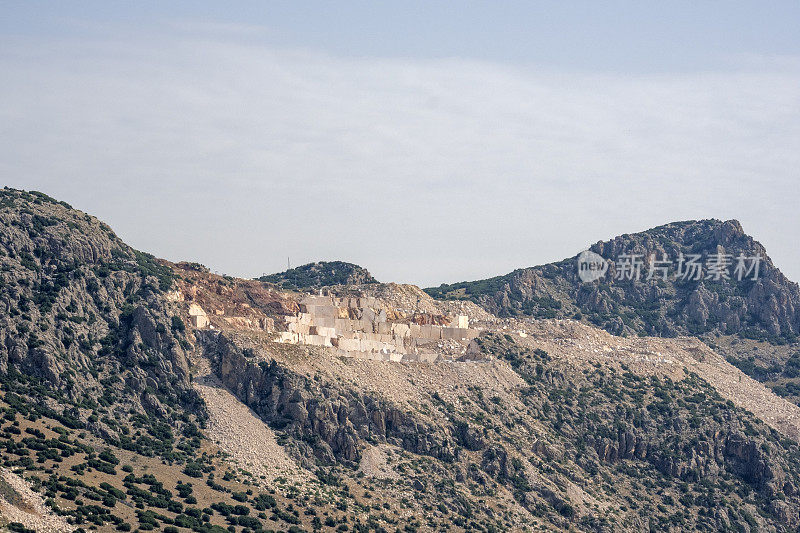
pixel 359 327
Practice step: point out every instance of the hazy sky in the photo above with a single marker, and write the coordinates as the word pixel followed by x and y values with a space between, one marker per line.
pixel 429 142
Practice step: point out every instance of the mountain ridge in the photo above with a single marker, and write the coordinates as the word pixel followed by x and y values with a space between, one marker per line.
pixel 320 274
pixel 765 309
pixel 141 394
pixel 527 291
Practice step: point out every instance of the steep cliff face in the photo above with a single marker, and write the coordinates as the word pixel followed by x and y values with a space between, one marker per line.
pixel 84 312
pixel 328 421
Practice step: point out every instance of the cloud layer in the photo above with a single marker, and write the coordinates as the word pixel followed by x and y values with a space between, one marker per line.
pixel 426 171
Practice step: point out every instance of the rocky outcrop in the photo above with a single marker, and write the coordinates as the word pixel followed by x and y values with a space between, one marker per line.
pixel 746 458
pixel 85 312
pixel 703 459
pixel 327 420
pixel 768 307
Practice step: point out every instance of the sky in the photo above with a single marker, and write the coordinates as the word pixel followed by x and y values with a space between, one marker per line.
pixel 429 142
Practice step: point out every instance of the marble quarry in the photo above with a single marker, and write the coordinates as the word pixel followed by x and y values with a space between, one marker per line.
pixel 359 327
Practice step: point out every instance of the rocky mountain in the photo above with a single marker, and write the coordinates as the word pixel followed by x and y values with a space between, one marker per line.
pixel 84 312
pixel 138 394
pixel 320 274
pixel 765 308
pixel 672 300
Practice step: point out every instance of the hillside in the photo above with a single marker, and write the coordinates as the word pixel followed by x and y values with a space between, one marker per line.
pixel 84 312
pixel 138 394
pixel 320 274
pixel 766 309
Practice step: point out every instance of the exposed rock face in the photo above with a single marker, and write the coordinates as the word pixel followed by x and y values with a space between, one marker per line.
pixel 333 422
pixel 683 429
pixel 364 327
pixel 768 307
pixel 320 274
pixel 558 426
pixel 78 306
pixel 706 458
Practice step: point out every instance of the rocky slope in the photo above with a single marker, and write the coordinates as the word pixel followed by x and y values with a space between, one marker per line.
pixel 86 313
pixel 24 506
pixel 764 309
pixel 141 394
pixel 768 307
pixel 582 434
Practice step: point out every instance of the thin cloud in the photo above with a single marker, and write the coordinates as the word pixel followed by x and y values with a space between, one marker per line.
pixel 422 170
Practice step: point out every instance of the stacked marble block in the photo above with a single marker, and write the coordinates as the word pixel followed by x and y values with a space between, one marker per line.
pixel 358 327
